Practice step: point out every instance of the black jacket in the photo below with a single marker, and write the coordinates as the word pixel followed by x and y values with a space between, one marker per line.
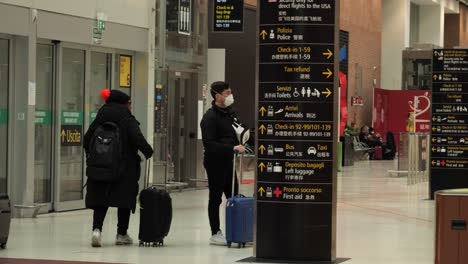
pixel 219 137
pixel 121 194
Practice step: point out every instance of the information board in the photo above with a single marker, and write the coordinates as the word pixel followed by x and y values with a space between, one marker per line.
pixel 297 130
pixel 449 121
pixel 228 16
pixel 125 71
pixel 71 135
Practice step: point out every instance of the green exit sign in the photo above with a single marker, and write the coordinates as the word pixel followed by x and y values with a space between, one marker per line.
pixel 101 25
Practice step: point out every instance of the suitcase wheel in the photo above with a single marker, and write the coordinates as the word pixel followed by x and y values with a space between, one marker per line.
pixel 243 245
pixel 151 244
pixel 145 244
pixel 3 245
pixel 239 245
pixel 229 244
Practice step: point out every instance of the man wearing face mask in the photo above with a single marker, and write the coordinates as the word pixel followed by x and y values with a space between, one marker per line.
pixel 220 142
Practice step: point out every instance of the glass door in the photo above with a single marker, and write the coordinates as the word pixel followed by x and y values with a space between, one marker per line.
pixel 100 79
pixel 70 134
pixel 182 127
pixel 43 124
pixel 4 81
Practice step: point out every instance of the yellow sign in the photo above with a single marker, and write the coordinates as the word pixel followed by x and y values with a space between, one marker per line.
pixel 71 135
pixel 262 110
pixel 327 92
pixel 329 53
pixel 328 73
pixel 261 191
pixel 125 71
pixel 261 166
pixel 262 149
pixel 263 34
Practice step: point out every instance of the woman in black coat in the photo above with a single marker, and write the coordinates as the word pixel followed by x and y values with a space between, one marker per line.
pixel 123 192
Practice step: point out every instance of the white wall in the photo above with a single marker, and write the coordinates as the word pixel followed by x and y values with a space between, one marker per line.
pixel 395 38
pixel 431 24
pixel 128 12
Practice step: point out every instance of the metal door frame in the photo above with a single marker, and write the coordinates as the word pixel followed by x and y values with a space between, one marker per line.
pixel 189 76
pixel 50 205
pixel 79 204
pixel 57 204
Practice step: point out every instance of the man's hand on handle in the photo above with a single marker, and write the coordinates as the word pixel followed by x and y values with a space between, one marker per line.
pixel 239 149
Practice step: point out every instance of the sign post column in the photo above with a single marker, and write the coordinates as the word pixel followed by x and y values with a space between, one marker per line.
pixel 449 120
pixel 297 130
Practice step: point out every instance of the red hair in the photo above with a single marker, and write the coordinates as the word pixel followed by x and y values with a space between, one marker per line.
pixel 105 93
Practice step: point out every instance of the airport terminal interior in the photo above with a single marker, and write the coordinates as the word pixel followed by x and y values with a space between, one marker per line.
pixel 346 121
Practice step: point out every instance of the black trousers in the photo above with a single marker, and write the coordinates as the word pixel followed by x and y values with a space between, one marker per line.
pixel 219 183
pixel 123 216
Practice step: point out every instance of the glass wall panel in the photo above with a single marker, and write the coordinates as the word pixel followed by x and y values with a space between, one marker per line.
pixel 71 150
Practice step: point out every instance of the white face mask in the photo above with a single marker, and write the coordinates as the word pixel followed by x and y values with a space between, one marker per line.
pixel 229 100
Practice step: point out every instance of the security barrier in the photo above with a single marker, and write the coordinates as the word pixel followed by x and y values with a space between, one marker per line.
pixel 418 158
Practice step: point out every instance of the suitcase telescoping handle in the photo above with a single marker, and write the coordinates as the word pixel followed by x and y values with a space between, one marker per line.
pixel 147 172
pixel 236 153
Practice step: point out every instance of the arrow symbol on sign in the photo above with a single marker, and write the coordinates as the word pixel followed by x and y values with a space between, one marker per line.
pixel 434 162
pixel 434 129
pixel 261 191
pixel 262 111
pixel 435 77
pixel 63 135
pixel 262 129
pixel 327 92
pixel 329 53
pixel 434 140
pixel 261 166
pixel 262 149
pixel 436 53
pixel 263 34
pixel 433 149
pixel 328 73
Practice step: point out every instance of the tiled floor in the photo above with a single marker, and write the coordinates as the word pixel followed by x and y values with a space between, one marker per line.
pixel 380 221
pixel 47 261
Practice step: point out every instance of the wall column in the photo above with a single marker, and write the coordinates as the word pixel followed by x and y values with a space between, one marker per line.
pixel 395 38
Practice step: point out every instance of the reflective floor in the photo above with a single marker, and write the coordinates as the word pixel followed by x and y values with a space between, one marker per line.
pixel 381 220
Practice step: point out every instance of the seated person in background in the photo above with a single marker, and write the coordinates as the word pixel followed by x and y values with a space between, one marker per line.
pixel 374 135
pixel 369 138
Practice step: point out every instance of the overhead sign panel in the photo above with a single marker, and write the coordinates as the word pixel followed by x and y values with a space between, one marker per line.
pixel 228 16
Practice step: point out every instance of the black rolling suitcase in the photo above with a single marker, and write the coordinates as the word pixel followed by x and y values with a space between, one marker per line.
pixel 155 214
pixel 5 219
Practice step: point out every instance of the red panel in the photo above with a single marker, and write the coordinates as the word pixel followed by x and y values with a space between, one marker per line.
pixel 391 110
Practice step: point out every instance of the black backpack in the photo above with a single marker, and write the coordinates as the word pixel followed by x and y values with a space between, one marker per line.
pixel 104 159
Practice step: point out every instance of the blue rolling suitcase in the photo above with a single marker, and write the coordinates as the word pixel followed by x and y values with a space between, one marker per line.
pixel 239 217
